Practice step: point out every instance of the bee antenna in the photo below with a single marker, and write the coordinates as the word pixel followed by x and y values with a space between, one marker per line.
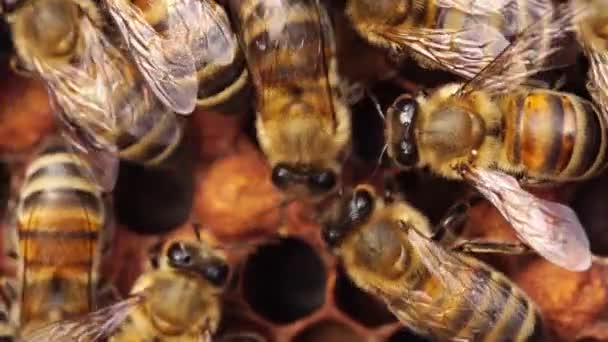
pixel 375 101
pixel 384 149
pixel 196 228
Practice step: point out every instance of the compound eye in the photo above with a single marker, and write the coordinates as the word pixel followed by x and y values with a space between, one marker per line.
pixel 179 256
pixel 361 205
pixel 281 176
pixel 217 273
pixel 323 181
pixel 331 236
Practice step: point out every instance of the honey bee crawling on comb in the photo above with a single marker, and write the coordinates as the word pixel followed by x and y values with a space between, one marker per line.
pixel 105 107
pixel 390 250
pixel 177 300
pixel 186 50
pixel 62 226
pixel 303 121
pixel 459 36
pixel 496 133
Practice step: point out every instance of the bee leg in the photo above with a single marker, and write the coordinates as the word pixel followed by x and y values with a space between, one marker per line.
pixel 452 224
pixel 487 246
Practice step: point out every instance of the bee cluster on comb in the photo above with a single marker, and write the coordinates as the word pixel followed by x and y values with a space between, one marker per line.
pixel 304 170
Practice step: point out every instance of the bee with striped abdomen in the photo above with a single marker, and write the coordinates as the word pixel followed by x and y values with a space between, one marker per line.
pixel 178 300
pixel 390 251
pixel 459 36
pixel 104 103
pixel 190 57
pixel 495 133
pixel 61 225
pixel 303 122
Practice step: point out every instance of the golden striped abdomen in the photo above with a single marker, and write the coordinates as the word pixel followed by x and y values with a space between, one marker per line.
pixel 553 135
pixel 503 315
pixel 287 54
pixel 60 217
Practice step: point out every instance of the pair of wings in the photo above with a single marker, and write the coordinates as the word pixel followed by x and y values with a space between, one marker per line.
pixel 466 50
pixel 195 33
pixel 462 279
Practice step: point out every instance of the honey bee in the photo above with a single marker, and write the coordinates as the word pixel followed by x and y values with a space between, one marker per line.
pixel 390 251
pixel 459 36
pixel 105 106
pixel 178 300
pixel 62 225
pixel 592 32
pixel 303 121
pixel 186 50
pixel 495 133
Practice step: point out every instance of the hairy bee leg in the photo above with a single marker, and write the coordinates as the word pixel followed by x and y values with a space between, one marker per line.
pixel 478 246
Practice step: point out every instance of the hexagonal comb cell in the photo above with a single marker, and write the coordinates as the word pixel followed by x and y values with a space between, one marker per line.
pixel 328 331
pixel 404 335
pixel 284 281
pixel 359 305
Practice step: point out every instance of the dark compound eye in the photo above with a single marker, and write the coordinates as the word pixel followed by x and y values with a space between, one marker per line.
pixel 216 273
pixel 403 119
pixel 360 206
pixel 179 256
pixel 331 236
pixel 281 176
pixel 323 181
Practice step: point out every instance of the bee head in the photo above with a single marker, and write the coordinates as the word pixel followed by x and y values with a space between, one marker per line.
pixel 401 118
pixel 304 180
pixel 351 210
pixel 191 257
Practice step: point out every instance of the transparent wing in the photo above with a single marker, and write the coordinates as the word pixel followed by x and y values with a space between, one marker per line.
pixel 166 62
pixel 80 95
pixel 486 30
pixel 463 52
pixel 523 58
pixel 598 79
pixel 102 162
pixel 213 41
pixel 466 279
pixel 92 327
pixel 550 228
pixel 497 7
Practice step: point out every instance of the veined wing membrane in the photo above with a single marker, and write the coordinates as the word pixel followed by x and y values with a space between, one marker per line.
pixel 551 229
pixel 167 63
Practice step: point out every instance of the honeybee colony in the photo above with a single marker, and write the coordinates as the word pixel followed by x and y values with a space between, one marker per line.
pixel 304 170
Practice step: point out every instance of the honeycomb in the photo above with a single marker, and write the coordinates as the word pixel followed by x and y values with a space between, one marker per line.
pixel 285 284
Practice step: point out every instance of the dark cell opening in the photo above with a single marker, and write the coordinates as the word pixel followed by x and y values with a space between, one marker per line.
pixel 153 200
pixel 328 331
pixel 405 335
pixel 284 281
pixel 359 305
